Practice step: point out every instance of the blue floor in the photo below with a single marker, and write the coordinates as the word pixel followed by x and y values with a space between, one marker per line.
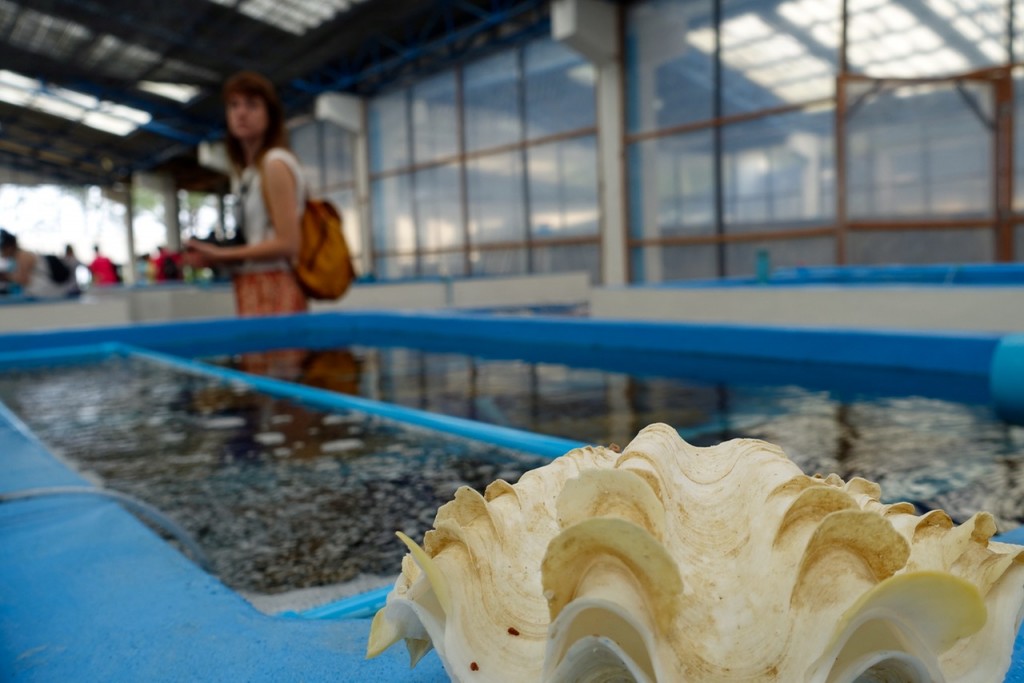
pixel 90 594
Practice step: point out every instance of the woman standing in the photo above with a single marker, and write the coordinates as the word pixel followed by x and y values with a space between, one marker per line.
pixel 271 194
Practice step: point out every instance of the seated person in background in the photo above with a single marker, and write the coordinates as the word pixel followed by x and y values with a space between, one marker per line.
pixel 167 265
pixel 72 262
pixel 102 269
pixel 38 276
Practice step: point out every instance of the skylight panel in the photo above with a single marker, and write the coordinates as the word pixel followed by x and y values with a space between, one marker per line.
pixel 107 123
pixel 293 16
pixel 13 95
pixel 815 17
pixel 57 107
pixel 172 91
pixel 888 41
pixel 69 104
pixel 776 61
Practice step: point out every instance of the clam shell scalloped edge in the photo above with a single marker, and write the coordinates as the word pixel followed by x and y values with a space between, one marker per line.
pixel 669 562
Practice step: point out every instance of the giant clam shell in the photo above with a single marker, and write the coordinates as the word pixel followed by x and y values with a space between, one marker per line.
pixel 670 563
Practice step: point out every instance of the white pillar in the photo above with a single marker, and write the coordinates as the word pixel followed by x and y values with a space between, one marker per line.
pixel 128 268
pixel 591 27
pixel 349 112
pixel 172 209
pixel 164 186
pixel 214 156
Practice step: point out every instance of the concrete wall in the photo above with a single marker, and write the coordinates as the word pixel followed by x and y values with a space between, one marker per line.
pixel 122 305
pixel 531 290
pixel 64 314
pixel 997 309
pixel 469 293
pixel 386 296
pixel 178 302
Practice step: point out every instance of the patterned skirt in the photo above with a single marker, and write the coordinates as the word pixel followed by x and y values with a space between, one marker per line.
pixel 268 293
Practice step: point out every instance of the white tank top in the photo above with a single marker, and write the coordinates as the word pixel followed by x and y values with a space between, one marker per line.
pixel 258 226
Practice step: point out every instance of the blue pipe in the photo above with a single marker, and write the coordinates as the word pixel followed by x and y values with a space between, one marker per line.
pixel 1006 378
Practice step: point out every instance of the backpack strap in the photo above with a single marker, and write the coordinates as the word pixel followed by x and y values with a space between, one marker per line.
pixel 300 201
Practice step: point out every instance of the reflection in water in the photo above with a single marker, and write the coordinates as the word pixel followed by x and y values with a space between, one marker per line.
pixel 936 453
pixel 286 496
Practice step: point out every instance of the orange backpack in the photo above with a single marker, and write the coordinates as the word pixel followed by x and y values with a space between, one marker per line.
pixel 324 267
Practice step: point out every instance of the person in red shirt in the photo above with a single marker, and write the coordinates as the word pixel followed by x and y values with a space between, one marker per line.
pixel 103 271
pixel 167 265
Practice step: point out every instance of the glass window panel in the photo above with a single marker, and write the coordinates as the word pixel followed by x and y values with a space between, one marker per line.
pixel 439 208
pixel 305 142
pixel 741 257
pixel 568 259
pixel 563 188
pixel 446 264
pixel 434 118
pixel 919 150
pixel 339 155
pixel 389 131
pixel 393 226
pixel 672 186
pixel 395 267
pixel 775 54
pixel 496 211
pixel 899 39
pixel 345 200
pixel 490 96
pixel 920 247
pixel 669 54
pixel 498 261
pixel 778 169
pixel 657 263
pixel 559 89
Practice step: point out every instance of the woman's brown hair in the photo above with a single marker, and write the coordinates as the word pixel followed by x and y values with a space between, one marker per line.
pixel 253 84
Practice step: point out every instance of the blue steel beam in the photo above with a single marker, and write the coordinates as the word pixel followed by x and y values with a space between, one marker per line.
pixel 415 51
pixel 166 131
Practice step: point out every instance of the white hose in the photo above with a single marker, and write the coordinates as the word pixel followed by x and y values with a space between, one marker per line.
pixel 134 504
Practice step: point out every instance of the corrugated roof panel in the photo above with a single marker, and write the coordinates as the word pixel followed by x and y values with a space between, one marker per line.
pixel 113 57
pixel 45 34
pixel 177 71
pixel 293 16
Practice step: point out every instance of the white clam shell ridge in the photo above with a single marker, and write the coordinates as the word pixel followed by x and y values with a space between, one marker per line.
pixel 668 562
